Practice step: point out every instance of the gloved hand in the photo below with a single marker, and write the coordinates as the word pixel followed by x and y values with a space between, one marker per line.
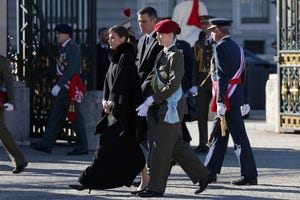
pixel 193 90
pixel 55 90
pixel 245 109
pixel 221 109
pixel 142 110
pixel 8 107
pixel 149 101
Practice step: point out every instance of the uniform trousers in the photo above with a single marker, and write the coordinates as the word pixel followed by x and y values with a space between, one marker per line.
pixel 9 144
pixel 217 151
pixel 168 146
pixel 57 120
pixel 204 98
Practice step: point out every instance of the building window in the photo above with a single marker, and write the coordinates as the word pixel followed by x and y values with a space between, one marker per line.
pixel 164 8
pixel 255 11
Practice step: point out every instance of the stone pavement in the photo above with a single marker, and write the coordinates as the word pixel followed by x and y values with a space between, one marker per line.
pixel 277 158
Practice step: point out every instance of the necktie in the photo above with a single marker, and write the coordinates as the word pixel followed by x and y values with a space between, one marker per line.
pixel 147 40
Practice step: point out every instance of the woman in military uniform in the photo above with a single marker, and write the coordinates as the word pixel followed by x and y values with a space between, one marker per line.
pixel 169 105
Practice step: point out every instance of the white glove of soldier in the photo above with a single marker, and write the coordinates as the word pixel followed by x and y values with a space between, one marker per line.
pixel 8 107
pixel 193 90
pixel 221 109
pixel 245 109
pixel 143 108
pixel 55 90
pixel 149 101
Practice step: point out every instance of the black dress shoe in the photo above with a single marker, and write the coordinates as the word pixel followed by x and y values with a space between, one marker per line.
pixel 149 193
pixel 201 149
pixel 77 153
pixel 137 191
pixel 212 178
pixel 39 147
pixel 19 168
pixel 202 185
pixel 245 181
pixel 78 186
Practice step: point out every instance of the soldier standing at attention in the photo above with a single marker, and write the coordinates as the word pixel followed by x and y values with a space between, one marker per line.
pixel 68 93
pixel 203 50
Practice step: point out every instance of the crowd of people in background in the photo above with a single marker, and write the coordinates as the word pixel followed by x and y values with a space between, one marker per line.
pixel 145 83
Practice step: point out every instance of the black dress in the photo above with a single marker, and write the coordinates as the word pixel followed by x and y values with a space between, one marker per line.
pixel 118 158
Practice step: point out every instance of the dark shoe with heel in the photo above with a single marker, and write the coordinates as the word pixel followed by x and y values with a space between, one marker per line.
pixel 149 194
pixel 137 191
pixel 245 181
pixel 212 178
pixel 79 187
pixel 202 185
pixel 19 168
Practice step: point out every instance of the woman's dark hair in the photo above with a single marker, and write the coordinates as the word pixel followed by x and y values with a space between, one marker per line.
pixel 121 31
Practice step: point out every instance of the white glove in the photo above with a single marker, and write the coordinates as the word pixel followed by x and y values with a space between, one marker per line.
pixel 149 101
pixel 8 107
pixel 142 110
pixel 221 109
pixel 194 90
pixel 245 109
pixel 55 90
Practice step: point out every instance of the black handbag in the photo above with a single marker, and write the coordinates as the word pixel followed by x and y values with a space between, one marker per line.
pixel 192 104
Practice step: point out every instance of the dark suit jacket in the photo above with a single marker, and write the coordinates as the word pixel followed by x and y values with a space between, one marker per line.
pixel 6 80
pixel 188 79
pixel 227 61
pixel 145 62
pixel 102 65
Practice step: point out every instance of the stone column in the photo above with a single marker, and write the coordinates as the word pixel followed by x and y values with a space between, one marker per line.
pixel 272 102
pixel 91 109
pixel 18 121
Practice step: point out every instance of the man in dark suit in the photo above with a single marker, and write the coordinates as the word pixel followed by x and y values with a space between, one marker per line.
pixel 68 71
pixel 102 56
pixel 148 48
pixel 227 99
pixel 7 104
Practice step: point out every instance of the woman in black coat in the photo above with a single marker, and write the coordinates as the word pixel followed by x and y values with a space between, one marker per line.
pixel 118 158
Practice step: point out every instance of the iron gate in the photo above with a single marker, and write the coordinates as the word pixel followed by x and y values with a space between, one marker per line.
pixel 288 46
pixel 37 51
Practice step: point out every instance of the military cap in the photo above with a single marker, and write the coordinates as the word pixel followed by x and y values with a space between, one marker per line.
pixel 64 28
pixel 166 26
pixel 216 22
pixel 205 18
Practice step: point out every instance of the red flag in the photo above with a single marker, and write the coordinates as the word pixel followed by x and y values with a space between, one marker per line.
pixel 127 12
pixel 194 16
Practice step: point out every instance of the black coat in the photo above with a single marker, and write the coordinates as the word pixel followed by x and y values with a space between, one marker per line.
pixel 119 158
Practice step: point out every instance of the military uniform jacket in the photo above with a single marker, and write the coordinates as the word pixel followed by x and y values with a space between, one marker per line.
pixel 227 56
pixel 69 63
pixel 203 50
pixel 170 71
pixel 6 80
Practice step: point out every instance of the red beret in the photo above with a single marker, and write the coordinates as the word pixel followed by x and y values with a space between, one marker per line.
pixel 166 26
